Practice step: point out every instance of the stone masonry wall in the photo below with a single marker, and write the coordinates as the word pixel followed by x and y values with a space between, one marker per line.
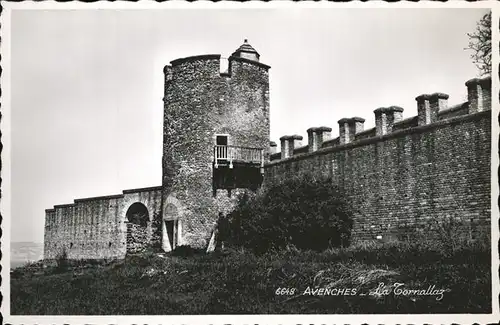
pixel 403 180
pixel 96 228
pixel 199 103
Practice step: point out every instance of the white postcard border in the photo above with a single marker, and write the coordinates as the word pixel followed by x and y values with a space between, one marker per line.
pixel 239 319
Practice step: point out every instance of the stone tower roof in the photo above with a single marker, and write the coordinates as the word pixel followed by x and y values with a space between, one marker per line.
pixel 247 51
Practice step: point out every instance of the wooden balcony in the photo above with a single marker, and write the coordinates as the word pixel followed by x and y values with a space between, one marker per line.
pixel 230 155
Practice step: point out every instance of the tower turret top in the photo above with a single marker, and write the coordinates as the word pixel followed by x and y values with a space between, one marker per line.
pixel 246 51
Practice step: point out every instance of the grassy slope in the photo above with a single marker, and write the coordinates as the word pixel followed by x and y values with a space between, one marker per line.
pixel 241 283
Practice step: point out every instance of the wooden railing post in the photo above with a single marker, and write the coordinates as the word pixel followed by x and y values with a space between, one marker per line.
pixel 230 156
pixel 215 157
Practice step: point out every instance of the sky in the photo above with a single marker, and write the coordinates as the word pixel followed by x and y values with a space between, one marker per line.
pixel 87 85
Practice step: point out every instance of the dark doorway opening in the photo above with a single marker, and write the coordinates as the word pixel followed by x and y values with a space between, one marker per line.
pixel 221 139
pixel 170 226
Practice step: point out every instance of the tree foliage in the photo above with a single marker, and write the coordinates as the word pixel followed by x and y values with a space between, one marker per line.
pixel 307 212
pixel 480 45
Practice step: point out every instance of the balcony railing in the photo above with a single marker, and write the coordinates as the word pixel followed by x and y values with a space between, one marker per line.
pixel 230 154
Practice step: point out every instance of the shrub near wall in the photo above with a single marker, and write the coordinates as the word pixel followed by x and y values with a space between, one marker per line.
pixel 306 211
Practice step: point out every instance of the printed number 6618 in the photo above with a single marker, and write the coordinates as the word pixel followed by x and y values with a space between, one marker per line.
pixel 285 291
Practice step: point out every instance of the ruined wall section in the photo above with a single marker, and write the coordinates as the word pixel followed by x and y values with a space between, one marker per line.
pixel 199 103
pixel 96 228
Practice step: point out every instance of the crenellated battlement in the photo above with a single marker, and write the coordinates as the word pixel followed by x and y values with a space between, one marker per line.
pixel 431 108
pixel 404 173
pixel 212 68
pixel 203 57
pixel 213 65
pixel 333 145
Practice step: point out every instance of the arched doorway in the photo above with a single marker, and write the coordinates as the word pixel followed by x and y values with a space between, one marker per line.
pixel 170 227
pixel 172 212
pixel 137 227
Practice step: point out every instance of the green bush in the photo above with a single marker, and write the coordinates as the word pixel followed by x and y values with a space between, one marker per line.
pixel 304 212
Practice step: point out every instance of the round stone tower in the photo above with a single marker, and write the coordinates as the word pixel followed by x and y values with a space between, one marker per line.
pixel 215 141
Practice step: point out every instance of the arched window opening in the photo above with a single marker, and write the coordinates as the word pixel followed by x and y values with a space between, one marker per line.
pixel 138 214
pixel 137 234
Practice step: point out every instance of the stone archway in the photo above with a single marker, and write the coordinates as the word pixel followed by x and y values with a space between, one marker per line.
pixel 171 224
pixel 137 227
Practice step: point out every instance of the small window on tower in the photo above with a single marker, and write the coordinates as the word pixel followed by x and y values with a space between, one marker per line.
pixel 221 139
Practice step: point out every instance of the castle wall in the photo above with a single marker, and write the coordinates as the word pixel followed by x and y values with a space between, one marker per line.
pixel 95 228
pixel 199 103
pixel 400 175
pixel 401 181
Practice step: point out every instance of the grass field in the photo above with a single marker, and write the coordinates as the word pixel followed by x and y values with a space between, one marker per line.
pixel 237 282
